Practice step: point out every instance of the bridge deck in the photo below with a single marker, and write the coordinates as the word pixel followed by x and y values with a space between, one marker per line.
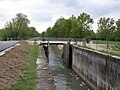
pixel 52 43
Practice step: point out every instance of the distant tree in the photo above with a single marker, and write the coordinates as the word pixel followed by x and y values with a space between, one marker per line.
pixel 48 32
pixel 117 31
pixel 72 28
pixel 84 25
pixel 18 24
pixel 66 28
pixel 58 28
pixel 43 34
pixel 33 32
pixel 18 28
pixel 106 28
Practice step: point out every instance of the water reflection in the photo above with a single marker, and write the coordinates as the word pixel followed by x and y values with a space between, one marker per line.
pixel 65 79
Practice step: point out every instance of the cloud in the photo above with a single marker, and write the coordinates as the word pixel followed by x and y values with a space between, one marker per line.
pixel 67 3
pixel 44 13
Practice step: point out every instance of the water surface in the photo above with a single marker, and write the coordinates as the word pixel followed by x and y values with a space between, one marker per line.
pixel 65 79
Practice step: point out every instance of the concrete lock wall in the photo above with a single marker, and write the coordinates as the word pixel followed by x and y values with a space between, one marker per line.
pixel 46 50
pixel 67 55
pixel 100 71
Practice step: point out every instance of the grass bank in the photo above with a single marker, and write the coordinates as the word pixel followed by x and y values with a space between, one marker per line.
pixel 112 52
pixel 113 49
pixel 28 81
pixel 105 42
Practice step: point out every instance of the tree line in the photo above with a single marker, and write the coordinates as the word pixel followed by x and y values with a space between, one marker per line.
pixel 81 27
pixel 17 29
pixel 108 29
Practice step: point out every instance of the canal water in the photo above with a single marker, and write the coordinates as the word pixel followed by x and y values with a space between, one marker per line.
pixel 65 79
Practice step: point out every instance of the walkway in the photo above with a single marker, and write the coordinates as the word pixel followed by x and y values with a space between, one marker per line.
pixel 45 80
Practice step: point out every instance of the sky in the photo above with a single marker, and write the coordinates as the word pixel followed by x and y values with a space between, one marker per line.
pixel 44 13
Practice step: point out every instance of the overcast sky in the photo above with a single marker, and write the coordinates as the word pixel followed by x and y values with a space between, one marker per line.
pixel 44 13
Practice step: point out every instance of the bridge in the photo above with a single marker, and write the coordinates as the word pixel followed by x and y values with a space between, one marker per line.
pixel 56 39
pixel 59 41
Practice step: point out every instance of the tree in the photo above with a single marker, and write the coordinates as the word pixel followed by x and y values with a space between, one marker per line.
pixel 106 28
pixel 18 24
pixel 43 34
pixel 72 28
pixel 66 27
pixel 18 28
pixel 32 32
pixel 84 25
pixel 58 27
pixel 117 31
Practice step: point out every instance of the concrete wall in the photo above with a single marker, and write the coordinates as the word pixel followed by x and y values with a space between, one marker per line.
pixel 66 54
pixel 46 51
pixel 101 71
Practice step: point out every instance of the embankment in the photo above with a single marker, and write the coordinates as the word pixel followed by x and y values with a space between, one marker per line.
pixel 11 65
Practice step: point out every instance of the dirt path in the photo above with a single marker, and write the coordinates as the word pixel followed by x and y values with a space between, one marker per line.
pixel 11 65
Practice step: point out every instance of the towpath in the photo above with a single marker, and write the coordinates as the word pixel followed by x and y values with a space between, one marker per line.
pixel 45 80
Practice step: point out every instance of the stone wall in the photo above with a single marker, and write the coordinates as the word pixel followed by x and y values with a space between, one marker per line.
pixel 100 71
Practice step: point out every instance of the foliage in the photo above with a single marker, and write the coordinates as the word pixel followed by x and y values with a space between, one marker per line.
pixel 80 27
pixel 106 28
pixel 117 31
pixel 18 28
pixel 74 27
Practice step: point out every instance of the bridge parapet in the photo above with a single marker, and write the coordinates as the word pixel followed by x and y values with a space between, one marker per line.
pixel 73 41
pixel 63 42
pixel 62 39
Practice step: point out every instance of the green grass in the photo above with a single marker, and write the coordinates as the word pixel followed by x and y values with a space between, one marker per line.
pixel 28 81
pixel 104 42
pixel 112 52
pixel 114 47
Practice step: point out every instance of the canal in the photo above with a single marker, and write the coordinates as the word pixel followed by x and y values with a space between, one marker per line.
pixel 65 79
